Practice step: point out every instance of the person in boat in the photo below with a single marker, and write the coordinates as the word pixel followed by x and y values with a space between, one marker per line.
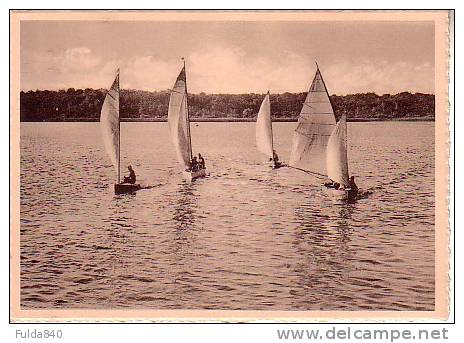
pixel 201 162
pixel 328 183
pixel 353 186
pixel 332 184
pixel 131 178
pixel 275 159
pixel 194 164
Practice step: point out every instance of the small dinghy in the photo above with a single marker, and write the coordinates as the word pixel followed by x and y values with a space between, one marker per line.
pixel 121 188
pixel 264 135
pixel 319 142
pixel 110 125
pixel 192 175
pixel 179 126
pixel 337 163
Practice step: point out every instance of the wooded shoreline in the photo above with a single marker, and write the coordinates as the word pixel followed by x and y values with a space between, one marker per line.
pixel 135 105
pixel 226 120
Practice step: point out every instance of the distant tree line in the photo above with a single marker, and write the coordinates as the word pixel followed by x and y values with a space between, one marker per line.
pixel 85 104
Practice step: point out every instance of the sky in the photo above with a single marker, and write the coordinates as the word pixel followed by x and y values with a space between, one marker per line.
pixel 229 57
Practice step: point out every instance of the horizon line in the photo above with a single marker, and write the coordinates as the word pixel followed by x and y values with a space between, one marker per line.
pixel 264 92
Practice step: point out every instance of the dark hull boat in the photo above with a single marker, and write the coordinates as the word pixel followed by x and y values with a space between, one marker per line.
pixel 278 165
pixel 123 188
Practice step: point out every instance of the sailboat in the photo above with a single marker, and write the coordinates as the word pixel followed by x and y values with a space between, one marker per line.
pixel 319 143
pixel 264 136
pixel 111 132
pixel 337 163
pixel 179 126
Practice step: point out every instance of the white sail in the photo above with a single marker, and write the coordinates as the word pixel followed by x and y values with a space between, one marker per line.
pixel 264 140
pixel 315 124
pixel 178 120
pixel 337 156
pixel 109 123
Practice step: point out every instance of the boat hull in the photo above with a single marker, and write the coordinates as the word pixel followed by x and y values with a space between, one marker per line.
pixel 345 194
pixel 124 188
pixel 278 165
pixel 193 175
pixel 271 164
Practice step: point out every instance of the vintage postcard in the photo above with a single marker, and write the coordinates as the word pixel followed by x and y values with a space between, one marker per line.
pixel 229 166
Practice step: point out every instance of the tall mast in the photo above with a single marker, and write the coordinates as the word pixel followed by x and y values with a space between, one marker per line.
pixel 188 115
pixel 270 118
pixel 119 131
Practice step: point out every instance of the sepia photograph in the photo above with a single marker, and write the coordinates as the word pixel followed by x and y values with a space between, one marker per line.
pixel 229 165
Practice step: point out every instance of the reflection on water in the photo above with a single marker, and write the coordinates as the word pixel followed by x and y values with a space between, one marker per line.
pixel 184 210
pixel 185 230
pixel 246 237
pixel 322 238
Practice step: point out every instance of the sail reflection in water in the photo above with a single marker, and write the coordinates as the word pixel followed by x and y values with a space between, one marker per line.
pixel 184 209
pixel 322 239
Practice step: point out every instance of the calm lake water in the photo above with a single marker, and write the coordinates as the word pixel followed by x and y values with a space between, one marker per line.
pixel 246 237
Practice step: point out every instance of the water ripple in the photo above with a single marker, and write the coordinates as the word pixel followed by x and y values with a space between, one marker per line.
pixel 246 237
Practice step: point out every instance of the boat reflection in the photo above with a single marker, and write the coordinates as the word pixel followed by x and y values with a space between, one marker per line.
pixel 182 257
pixel 184 208
pixel 322 240
pixel 117 251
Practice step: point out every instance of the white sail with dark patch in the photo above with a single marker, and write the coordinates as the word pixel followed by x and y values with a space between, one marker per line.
pixel 264 139
pixel 315 124
pixel 109 124
pixel 337 156
pixel 178 120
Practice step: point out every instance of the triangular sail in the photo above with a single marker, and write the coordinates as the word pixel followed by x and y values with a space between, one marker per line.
pixel 315 124
pixel 264 139
pixel 178 120
pixel 337 156
pixel 109 123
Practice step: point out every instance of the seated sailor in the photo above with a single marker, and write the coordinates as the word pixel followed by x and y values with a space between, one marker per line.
pixel 332 184
pixel 194 164
pixel 131 178
pixel 353 185
pixel 275 157
pixel 201 161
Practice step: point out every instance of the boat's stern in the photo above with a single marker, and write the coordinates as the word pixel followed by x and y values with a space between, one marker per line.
pixel 192 175
pixel 124 188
